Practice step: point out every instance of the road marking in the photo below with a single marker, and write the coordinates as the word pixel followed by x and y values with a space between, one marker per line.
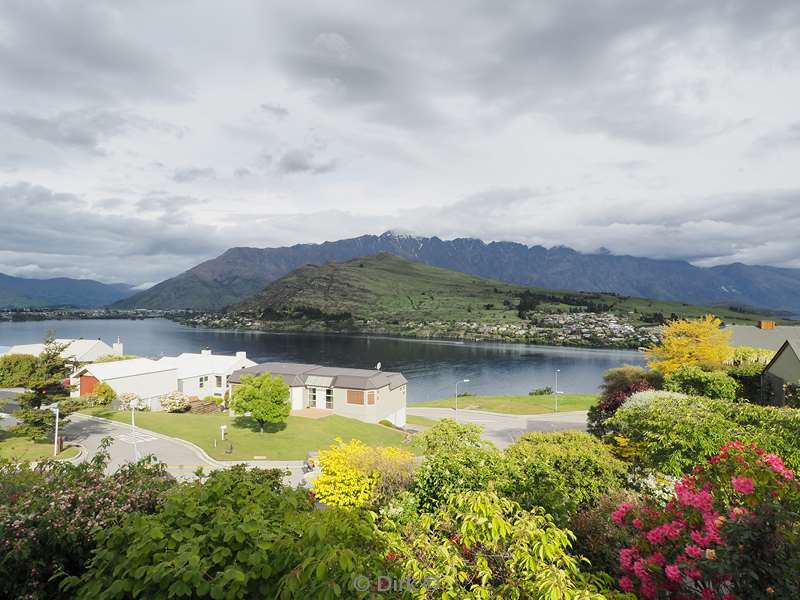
pixel 139 438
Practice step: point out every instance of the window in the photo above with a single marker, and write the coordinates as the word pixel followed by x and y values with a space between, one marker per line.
pixel 219 381
pixel 203 381
pixel 329 399
pixel 355 397
pixel 371 397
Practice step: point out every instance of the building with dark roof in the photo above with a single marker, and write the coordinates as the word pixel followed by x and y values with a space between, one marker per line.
pixel 369 395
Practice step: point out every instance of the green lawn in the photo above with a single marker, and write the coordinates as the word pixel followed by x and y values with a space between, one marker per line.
pixel 516 405
pixel 290 443
pixel 21 449
pixel 422 421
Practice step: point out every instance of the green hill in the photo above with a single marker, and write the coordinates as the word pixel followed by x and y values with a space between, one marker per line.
pixel 382 291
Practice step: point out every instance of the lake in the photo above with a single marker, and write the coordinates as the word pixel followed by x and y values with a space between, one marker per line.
pixel 432 367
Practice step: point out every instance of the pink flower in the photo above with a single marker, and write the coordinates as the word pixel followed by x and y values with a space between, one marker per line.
pixel 743 485
pixel 708 594
pixel 673 573
pixel 625 584
pixel 618 516
pixel 693 551
pixel 627 556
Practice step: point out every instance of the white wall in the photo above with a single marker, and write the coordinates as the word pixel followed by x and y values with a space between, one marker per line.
pixel 191 386
pixel 297 397
pixel 148 386
pixel 389 405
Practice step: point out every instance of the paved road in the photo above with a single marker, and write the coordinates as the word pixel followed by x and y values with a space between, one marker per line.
pixel 7 406
pixel 503 430
pixel 181 458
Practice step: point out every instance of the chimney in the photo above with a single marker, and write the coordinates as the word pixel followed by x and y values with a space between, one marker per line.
pixel 205 352
pixel 116 348
pixel 241 355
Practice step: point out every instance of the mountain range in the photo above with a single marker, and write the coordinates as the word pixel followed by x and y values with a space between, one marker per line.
pixel 242 272
pixel 22 292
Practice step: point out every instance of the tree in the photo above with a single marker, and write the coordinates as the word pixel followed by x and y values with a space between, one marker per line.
pixel 36 423
pixel 448 435
pixel 46 382
pixel 265 397
pixel 16 369
pixel 698 342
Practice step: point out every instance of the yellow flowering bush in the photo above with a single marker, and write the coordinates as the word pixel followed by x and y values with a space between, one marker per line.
pixel 354 474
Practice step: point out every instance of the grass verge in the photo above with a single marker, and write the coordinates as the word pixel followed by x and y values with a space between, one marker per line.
pixel 246 442
pixel 19 448
pixel 515 405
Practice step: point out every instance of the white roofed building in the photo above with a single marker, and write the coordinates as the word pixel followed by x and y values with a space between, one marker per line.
pixel 77 351
pixel 148 379
pixel 206 374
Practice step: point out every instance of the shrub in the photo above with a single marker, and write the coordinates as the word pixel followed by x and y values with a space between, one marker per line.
pixel 585 465
pixel 238 535
pixel 748 380
pixel 640 399
pixel 355 475
pixel 265 397
pixel 697 382
pixel 597 537
pixel 730 531
pixel 49 517
pixel 448 435
pixel 175 402
pixel 544 391
pixel 480 545
pixel 16 370
pixel 746 355
pixel 469 468
pixel 618 385
pixel 103 395
pixel 673 434
pixel 128 399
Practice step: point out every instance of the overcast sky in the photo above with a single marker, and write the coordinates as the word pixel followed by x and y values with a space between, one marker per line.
pixel 139 138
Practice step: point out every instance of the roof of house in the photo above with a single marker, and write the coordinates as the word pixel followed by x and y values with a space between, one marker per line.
pixel 791 344
pixel 74 349
pixel 124 368
pixel 190 364
pixel 296 374
pixel 750 335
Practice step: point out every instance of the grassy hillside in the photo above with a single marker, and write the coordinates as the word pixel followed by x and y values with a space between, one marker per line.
pixel 389 289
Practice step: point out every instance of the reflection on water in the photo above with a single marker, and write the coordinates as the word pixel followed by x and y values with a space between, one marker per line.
pixel 432 367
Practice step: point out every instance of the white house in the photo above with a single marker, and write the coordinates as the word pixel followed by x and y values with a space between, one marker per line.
pixel 364 394
pixel 206 374
pixel 77 351
pixel 148 379
pixel 203 374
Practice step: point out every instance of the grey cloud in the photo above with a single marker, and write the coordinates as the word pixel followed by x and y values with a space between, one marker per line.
pixel 187 174
pixel 303 161
pixel 275 110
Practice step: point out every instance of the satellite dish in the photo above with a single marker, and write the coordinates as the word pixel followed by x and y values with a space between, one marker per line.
pixel 378 366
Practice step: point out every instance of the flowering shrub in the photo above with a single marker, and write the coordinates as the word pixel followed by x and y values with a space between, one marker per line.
pixel 619 385
pixel 730 532
pixel 175 402
pixel 354 474
pixel 640 399
pixel 127 398
pixel 49 517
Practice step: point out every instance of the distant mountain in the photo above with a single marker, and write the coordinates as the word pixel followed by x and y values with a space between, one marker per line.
pixel 241 272
pixel 385 289
pixel 21 292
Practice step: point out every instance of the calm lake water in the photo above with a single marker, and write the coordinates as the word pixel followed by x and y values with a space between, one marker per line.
pixel 432 367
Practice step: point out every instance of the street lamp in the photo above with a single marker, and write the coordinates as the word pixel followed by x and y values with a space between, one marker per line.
pixel 556 390
pixel 457 382
pixel 54 408
pixel 134 404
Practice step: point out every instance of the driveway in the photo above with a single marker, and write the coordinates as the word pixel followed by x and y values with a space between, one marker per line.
pixel 7 406
pixel 502 430
pixel 181 458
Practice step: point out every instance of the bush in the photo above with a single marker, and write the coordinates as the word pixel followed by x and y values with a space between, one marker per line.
pixel 746 355
pixel 16 370
pixel 238 535
pixel 480 545
pixel 449 435
pixel 748 380
pixel 544 391
pixel 697 382
pixel 618 385
pixel 640 399
pixel 585 467
pixel 355 475
pixel 103 395
pixel 730 531
pixel 128 399
pixel 672 434
pixel 175 402
pixel 49 517
pixel 597 537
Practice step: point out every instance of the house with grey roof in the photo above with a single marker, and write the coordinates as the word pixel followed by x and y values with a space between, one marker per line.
pixel 369 395
pixel 782 373
pixel 763 337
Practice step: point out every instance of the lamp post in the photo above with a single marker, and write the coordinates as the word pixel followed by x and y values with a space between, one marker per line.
pixel 134 404
pixel 54 408
pixel 457 382
pixel 556 390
